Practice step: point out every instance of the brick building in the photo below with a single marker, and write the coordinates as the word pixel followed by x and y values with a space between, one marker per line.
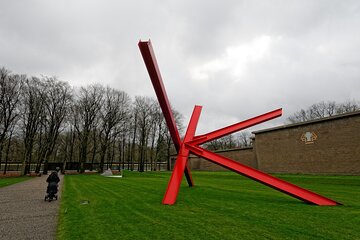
pixel 326 146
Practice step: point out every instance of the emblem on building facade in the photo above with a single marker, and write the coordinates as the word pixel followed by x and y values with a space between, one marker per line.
pixel 308 137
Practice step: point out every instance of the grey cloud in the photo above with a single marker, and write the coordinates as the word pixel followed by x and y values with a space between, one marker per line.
pixel 312 56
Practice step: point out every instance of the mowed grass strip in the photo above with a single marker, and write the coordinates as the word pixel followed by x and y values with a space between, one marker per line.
pixel 222 205
pixel 12 180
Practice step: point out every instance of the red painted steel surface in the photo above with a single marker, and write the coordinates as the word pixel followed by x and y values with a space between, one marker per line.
pixel 148 55
pixel 237 127
pixel 181 161
pixel 190 144
pixel 276 183
pixel 156 79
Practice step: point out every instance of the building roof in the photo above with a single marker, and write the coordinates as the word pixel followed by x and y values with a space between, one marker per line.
pixel 344 115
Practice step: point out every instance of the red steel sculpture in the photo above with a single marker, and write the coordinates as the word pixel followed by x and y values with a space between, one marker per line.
pixel 190 143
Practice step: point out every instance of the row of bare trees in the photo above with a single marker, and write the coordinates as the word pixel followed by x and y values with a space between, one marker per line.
pixel 237 140
pixel 45 120
pixel 322 110
pixel 10 96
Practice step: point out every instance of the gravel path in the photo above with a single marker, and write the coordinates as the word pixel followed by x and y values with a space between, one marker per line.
pixel 23 212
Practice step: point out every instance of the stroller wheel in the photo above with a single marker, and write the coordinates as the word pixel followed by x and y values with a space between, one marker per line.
pixel 56 197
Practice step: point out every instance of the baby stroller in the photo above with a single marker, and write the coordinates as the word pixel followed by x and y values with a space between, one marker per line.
pixel 52 188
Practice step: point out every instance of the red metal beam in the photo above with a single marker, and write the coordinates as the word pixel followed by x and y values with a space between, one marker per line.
pixel 148 55
pixel 236 127
pixel 276 183
pixel 181 161
pixel 156 79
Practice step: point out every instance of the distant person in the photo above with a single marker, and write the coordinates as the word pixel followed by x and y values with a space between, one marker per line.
pixel 53 177
pixel 52 188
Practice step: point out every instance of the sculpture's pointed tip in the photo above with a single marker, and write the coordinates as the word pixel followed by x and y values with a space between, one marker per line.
pixel 144 41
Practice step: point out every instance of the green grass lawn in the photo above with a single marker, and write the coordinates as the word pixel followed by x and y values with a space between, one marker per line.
pixel 222 205
pixel 12 180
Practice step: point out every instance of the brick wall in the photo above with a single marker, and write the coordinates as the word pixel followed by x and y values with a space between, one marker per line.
pixel 326 146
pixel 336 149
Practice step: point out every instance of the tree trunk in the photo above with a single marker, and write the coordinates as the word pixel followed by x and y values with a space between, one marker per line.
pixel 113 152
pixel 128 154
pixel 7 152
pixel 132 156
pixel 123 152
pixel 69 155
pixel 1 152
pixel 27 156
pixel 83 155
pixel 103 150
pixel 152 153
pixel 168 167
pixel 93 150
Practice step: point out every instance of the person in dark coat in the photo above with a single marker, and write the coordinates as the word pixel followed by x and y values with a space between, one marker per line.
pixel 52 180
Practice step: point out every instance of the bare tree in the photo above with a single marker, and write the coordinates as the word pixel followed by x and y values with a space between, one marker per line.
pixel 10 90
pixel 32 109
pixel 330 108
pixel 155 132
pixel 56 98
pixel 95 139
pixel 69 145
pixel 133 133
pixel 142 108
pixel 323 109
pixel 300 116
pixel 349 106
pixel 244 139
pixel 113 114
pixel 86 110
pixel 124 141
pixel 162 132
pixel 226 142
pixel 11 131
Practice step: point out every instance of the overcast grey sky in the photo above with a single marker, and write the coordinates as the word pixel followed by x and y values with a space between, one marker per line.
pixel 236 58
